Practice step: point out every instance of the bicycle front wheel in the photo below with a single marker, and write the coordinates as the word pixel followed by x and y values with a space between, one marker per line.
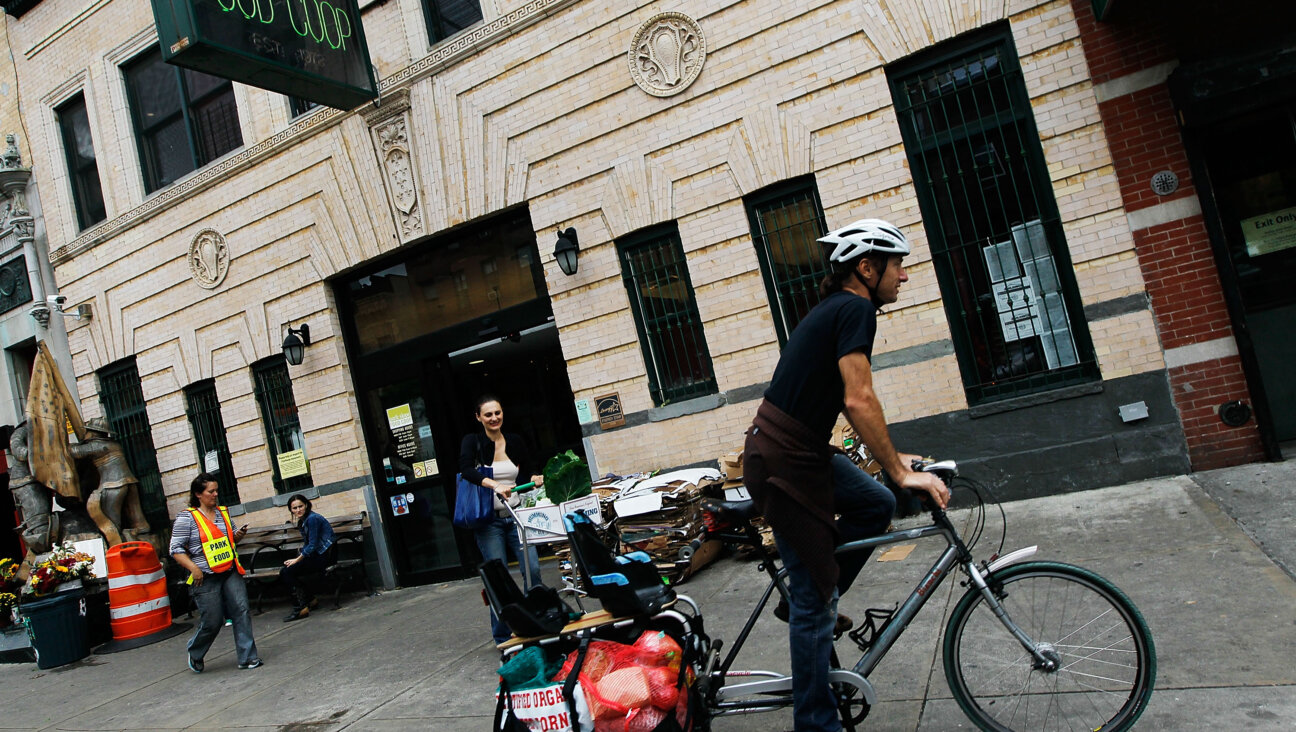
pixel 1101 653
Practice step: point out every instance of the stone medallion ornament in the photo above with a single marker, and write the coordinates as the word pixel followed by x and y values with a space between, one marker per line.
pixel 208 258
pixel 667 54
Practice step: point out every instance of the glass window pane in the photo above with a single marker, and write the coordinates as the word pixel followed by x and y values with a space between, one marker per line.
pixel 458 14
pixel 154 89
pixel 786 222
pixel 83 171
pixel 167 154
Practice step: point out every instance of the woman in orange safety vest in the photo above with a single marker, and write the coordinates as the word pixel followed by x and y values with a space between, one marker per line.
pixel 203 541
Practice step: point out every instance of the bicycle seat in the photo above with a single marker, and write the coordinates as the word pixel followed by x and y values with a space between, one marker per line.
pixel 731 512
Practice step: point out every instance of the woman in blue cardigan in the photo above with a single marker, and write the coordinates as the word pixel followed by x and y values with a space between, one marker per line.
pixel 317 554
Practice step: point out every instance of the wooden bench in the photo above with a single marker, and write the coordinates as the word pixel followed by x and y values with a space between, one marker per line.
pixel 264 549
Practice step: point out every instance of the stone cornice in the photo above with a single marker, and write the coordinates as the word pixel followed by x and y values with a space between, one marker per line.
pixel 443 56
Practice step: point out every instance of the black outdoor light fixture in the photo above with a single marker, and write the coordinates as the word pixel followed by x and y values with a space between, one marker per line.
pixel 294 347
pixel 567 251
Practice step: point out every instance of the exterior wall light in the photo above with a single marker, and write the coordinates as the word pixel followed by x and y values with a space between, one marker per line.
pixel 294 347
pixel 567 251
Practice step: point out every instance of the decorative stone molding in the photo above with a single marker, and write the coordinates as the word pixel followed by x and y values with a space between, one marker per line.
pixel 208 259
pixel 667 54
pixel 442 57
pixel 769 146
pixel 636 195
pixel 390 130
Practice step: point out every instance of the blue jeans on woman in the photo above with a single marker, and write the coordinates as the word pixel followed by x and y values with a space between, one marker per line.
pixel 494 539
pixel 222 596
pixel 866 507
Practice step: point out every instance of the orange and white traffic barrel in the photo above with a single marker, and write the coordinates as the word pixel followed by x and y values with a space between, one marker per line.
pixel 138 604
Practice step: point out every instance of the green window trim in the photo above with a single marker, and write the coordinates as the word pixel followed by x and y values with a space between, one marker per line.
pixel 122 399
pixel 993 225
pixel 656 276
pixel 203 409
pixel 786 221
pixel 274 395
pixel 445 18
pixel 82 167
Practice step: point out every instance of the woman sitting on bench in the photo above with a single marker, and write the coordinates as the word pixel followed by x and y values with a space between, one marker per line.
pixel 318 553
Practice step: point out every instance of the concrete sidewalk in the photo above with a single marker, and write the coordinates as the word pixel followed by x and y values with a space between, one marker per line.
pixel 1222 613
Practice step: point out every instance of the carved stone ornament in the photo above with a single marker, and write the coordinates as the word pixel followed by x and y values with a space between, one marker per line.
pixel 393 142
pixel 208 258
pixel 667 54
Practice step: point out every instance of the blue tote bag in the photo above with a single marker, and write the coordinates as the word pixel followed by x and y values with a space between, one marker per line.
pixel 474 504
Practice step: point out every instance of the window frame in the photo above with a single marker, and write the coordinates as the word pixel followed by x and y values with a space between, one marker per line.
pixel 80 172
pixel 667 235
pixel 211 436
pixel 784 194
pixel 149 167
pixel 263 371
pixel 435 25
pixel 1020 114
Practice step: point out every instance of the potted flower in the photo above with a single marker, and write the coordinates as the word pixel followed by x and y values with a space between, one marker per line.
pixel 63 566
pixel 9 587
pixel 8 601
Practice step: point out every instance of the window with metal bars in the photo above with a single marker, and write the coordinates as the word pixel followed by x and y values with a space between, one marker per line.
pixel 203 409
pixel 183 118
pixel 83 169
pixel 274 395
pixel 666 315
pixel 122 400
pixel 298 106
pixel 447 17
pixel 786 220
pixel 993 225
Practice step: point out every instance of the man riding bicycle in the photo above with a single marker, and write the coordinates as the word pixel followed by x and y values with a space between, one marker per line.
pixel 800 481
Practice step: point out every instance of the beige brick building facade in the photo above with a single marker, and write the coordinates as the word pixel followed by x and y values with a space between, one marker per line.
pixel 535 107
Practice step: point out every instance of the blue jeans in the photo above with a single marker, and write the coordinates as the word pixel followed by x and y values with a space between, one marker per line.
pixel 222 596
pixel 494 540
pixel 866 507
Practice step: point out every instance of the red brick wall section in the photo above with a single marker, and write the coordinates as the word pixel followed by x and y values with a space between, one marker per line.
pixel 1199 389
pixel 1182 282
pixel 1175 258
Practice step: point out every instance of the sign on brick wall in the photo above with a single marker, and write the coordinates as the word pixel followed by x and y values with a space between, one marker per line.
pixel 310 49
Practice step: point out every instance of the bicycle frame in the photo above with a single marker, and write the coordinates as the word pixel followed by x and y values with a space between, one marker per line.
pixel 775 688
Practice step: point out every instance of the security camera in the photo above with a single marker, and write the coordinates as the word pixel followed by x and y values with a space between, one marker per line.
pixel 56 300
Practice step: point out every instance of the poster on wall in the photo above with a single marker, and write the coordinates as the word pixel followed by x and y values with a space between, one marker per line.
pixel 1270 232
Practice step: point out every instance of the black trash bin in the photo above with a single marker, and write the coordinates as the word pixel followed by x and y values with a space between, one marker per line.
pixel 58 628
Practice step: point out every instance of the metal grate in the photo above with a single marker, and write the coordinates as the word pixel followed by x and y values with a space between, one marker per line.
pixel 123 405
pixel 274 395
pixel 994 229
pixel 203 409
pixel 785 224
pixel 665 311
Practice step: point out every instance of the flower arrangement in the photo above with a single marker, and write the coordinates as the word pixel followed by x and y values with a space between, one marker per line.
pixel 63 564
pixel 9 585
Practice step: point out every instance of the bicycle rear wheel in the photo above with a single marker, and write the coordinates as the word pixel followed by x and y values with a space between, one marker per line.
pixel 1105 658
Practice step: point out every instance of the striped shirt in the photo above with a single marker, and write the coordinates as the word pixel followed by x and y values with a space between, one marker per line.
pixel 186 539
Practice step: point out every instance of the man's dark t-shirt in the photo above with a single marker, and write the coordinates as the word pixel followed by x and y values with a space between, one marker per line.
pixel 807 383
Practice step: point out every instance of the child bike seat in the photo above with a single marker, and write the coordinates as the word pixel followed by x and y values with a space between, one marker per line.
pixel 626 585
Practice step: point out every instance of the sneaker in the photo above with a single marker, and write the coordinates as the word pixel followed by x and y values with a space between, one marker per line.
pixel 297 614
pixel 843 624
pixel 195 665
pixel 254 663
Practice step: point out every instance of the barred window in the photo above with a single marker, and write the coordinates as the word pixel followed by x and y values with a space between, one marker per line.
pixel 83 168
pixel 992 222
pixel 447 17
pixel 203 409
pixel 786 220
pixel 665 312
pixel 122 400
pixel 274 395
pixel 183 119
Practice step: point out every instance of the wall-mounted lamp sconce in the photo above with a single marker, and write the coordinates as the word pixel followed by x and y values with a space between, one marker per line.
pixel 567 251
pixel 294 347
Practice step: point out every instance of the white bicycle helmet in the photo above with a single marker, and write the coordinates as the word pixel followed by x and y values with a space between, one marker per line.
pixel 862 237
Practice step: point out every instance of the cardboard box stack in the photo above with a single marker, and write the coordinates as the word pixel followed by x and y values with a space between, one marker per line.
pixel 661 516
